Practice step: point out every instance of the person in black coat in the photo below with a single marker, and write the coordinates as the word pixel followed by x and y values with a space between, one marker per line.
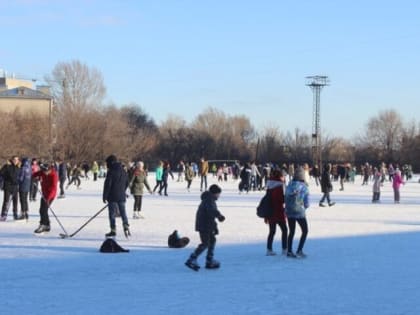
pixel 205 224
pixel 10 174
pixel 326 186
pixel 115 186
pixel 342 173
pixel 62 176
pixel 25 176
pixel 165 176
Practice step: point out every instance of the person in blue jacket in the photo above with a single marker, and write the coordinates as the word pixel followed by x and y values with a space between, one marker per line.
pixel 24 179
pixel 297 201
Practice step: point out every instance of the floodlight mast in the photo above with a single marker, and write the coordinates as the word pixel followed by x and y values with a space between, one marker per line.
pixel 316 83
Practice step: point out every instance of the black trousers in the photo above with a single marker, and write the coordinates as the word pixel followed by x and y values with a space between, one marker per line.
pixel 189 181
pixel 292 227
pixel 158 185
pixel 34 189
pixel 164 187
pixel 43 213
pixel 23 198
pixel 272 232
pixel 75 180
pixel 208 241
pixel 62 181
pixel 8 197
pixel 137 203
pixel 326 196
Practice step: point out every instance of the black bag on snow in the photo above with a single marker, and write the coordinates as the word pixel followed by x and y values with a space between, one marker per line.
pixel 265 208
pixel 111 246
pixel 174 241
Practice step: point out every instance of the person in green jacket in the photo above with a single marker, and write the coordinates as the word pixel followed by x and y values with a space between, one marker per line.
pixel 95 170
pixel 137 184
pixel 158 174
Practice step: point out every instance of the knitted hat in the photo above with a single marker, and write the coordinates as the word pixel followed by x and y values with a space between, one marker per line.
pixel 214 189
pixel 299 175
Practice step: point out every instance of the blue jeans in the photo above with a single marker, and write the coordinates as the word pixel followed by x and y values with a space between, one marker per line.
pixel 112 209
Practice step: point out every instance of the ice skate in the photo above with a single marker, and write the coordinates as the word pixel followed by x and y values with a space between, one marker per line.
pixel 300 254
pixel 212 264
pixel 192 264
pixel 127 231
pixel 42 229
pixel 111 234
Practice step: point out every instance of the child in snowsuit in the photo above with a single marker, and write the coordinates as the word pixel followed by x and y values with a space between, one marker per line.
pixel 205 224
pixel 396 184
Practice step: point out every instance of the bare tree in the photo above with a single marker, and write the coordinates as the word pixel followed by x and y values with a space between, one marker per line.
pixel 384 134
pixel 78 91
pixel 298 145
pixel 76 86
pixel 338 150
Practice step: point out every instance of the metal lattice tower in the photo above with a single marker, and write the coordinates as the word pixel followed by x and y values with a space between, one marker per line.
pixel 316 83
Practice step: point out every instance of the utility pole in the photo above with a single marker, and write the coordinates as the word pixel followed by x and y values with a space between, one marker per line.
pixel 316 83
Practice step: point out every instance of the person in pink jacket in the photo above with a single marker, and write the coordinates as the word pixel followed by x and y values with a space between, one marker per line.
pixel 396 184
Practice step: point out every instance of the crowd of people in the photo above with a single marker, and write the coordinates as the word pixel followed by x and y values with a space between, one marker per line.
pixel 23 180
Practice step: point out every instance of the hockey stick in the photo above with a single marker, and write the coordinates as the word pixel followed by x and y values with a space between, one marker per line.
pixel 52 211
pixel 86 223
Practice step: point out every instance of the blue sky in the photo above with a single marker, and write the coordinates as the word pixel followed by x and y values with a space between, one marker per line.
pixel 243 57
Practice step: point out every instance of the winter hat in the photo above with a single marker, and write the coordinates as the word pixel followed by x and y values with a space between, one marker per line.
pixel 44 167
pixel 110 160
pixel 214 189
pixel 299 175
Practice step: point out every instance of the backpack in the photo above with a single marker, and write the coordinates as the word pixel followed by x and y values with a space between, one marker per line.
pixel 294 202
pixel 265 208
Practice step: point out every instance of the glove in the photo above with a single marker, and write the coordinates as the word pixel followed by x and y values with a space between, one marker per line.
pixel 221 218
pixel 105 201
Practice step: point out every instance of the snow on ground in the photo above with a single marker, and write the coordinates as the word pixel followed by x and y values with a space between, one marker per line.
pixel 363 258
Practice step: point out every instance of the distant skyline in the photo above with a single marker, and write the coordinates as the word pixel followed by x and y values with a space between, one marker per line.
pixel 242 57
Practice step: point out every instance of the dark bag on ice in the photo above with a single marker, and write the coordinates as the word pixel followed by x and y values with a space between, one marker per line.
pixel 111 246
pixel 265 208
pixel 174 241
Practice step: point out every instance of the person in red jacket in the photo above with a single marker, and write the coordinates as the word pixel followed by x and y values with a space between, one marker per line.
pixel 49 183
pixel 275 185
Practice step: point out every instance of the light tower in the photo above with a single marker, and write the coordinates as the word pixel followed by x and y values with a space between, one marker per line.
pixel 316 83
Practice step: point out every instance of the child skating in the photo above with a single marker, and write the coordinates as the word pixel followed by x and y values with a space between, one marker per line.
pixel 206 225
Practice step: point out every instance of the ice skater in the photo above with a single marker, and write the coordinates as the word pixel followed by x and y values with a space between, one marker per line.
pixel 297 201
pixel 205 224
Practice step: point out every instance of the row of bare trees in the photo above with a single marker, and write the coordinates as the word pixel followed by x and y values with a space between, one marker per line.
pixel 86 129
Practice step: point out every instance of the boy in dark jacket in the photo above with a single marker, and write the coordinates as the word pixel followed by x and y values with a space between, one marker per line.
pixel 114 194
pixel 10 174
pixel 326 186
pixel 205 224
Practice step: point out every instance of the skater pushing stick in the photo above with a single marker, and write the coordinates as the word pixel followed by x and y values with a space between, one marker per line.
pixel 114 194
pixel 49 183
pixel 206 225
